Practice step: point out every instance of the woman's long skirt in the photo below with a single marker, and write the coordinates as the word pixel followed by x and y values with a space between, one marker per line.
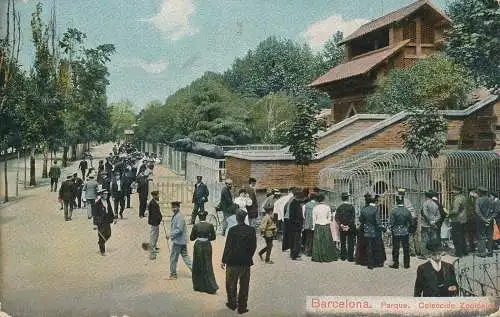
pixel 323 248
pixel 379 253
pixel 361 245
pixel 203 271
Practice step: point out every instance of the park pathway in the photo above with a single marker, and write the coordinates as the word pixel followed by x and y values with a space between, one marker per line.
pixel 52 268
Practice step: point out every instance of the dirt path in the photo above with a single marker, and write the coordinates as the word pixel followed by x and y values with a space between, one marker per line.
pixel 52 268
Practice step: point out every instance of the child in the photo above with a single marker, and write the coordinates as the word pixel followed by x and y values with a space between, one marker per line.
pixel 268 230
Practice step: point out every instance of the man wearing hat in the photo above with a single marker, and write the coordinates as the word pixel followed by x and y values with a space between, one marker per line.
pixel 435 278
pixel 458 219
pixel 200 197
pixel 67 194
pixel 226 203
pixel 90 188
pixel 178 235
pixel 296 223
pixel 485 212
pixel 253 209
pixel 430 219
pixel 103 217
pixel 237 258
pixel 345 218
pixel 54 174
pixel 154 220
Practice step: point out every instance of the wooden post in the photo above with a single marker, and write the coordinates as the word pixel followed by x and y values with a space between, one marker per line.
pixel 418 36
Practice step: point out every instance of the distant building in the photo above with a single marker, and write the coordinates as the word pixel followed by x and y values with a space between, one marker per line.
pixel 398 39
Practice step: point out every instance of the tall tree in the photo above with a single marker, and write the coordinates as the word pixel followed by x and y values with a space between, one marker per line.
pixel 121 115
pixel 11 84
pixel 271 117
pixel 302 136
pixel 474 38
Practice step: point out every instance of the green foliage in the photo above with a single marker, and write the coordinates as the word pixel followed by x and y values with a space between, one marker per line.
pixel 275 66
pixel 425 131
pixel 302 136
pixel 269 114
pixel 332 54
pixel 437 80
pixel 474 38
pixel 121 116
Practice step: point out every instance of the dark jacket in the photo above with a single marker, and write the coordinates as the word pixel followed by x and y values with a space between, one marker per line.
pixel 296 216
pixel 200 194
pixel 426 284
pixel 203 229
pixel 114 188
pixel 143 185
pixel 346 215
pixel 83 165
pixel 370 221
pixel 154 213
pixel 55 172
pixel 67 191
pixel 226 200
pixel 400 221
pixel 253 210
pixel 102 213
pixel 241 243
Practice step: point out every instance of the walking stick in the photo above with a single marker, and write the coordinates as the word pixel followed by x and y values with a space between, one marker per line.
pixel 166 235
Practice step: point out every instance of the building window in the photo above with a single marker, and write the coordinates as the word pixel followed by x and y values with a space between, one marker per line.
pixel 427 33
pixel 410 31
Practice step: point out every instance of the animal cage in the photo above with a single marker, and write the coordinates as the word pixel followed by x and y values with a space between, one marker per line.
pixel 384 172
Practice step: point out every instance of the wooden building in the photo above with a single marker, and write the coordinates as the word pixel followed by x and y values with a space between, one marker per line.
pixel 397 39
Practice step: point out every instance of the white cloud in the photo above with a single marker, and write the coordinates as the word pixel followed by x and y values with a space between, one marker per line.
pixel 154 67
pixel 151 67
pixel 173 19
pixel 319 32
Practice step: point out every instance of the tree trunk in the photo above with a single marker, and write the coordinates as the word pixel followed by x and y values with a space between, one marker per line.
pixel 45 174
pixel 65 156
pixel 6 182
pixel 73 152
pixel 32 167
pixel 25 168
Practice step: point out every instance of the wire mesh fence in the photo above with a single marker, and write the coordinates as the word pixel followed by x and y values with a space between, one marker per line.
pixel 384 172
pixel 478 276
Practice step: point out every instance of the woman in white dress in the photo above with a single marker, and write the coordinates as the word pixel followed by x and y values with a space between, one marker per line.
pixel 323 249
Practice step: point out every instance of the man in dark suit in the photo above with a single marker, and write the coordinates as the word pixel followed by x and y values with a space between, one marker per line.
pixel 154 219
pixel 142 190
pixel 240 247
pixel 118 194
pixel 67 194
pixel 435 278
pixel 83 167
pixel 226 203
pixel 200 197
pixel 296 223
pixel 345 218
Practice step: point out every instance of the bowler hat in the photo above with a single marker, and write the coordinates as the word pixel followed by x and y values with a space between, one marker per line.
pixel 434 246
pixel 429 193
pixel 155 193
pixel 241 213
pixel 175 204
pixel 344 195
pixel 101 189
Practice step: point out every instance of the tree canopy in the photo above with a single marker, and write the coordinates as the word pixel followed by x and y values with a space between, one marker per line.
pixel 437 80
pixel 474 38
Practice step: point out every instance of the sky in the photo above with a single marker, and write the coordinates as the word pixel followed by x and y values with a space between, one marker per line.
pixel 163 45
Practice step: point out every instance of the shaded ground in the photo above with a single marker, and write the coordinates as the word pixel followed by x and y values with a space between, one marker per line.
pixel 52 268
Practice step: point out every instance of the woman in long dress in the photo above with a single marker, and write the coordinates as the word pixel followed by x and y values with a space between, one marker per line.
pixel 203 271
pixel 323 250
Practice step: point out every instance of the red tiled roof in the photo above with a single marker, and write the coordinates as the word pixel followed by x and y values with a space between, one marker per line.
pixel 358 66
pixel 392 17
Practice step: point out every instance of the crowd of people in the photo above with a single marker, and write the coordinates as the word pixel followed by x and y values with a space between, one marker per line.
pixel 301 219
